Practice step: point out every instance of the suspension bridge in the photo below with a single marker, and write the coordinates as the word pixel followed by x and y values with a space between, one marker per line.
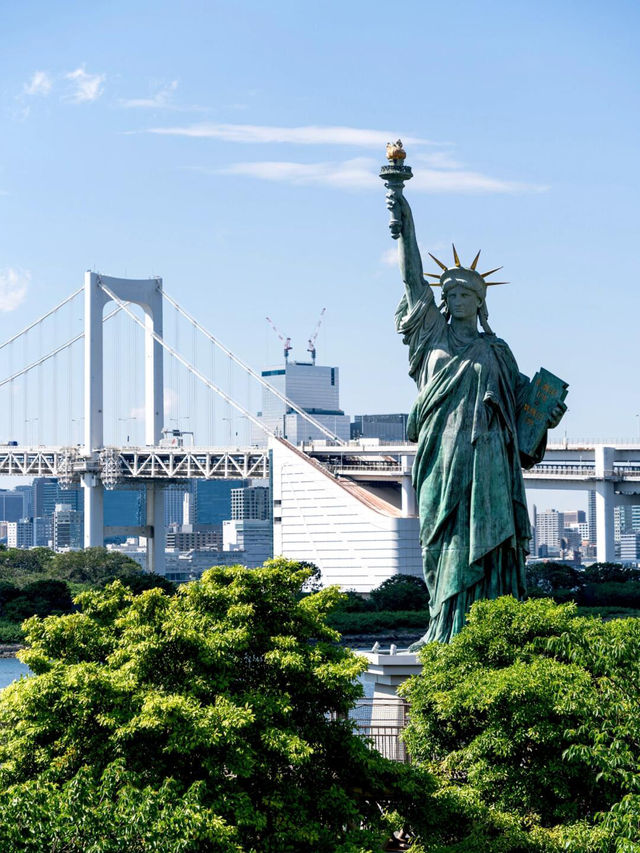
pixel 96 387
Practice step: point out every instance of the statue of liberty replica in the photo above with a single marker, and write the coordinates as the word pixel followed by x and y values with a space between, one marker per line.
pixel 477 421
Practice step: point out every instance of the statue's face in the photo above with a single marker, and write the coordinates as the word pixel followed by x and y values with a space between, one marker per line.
pixel 462 302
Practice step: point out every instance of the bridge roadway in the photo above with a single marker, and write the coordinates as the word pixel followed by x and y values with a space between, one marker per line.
pixel 611 471
pixel 563 467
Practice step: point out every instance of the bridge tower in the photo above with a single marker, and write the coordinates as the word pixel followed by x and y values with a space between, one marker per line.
pixel 148 294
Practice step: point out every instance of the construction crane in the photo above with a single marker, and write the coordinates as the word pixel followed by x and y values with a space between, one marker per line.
pixel 312 340
pixel 286 341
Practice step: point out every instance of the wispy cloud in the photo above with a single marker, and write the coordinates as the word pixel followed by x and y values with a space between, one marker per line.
pixel 161 98
pixel 39 84
pixel 361 173
pixel 440 171
pixel 14 284
pixel 85 87
pixel 306 135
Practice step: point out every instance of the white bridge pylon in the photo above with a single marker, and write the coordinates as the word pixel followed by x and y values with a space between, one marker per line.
pixel 147 293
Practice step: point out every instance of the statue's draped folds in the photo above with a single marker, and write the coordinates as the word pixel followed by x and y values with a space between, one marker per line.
pixel 474 526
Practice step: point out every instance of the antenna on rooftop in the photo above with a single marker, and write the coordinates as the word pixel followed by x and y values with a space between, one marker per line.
pixel 312 340
pixel 285 340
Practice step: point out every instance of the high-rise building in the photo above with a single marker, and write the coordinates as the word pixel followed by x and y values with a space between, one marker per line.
pixel 314 389
pixel 549 529
pixel 20 533
pixel 47 492
pixel 67 527
pixel 42 532
pixel 173 502
pixel 622 521
pixel 27 492
pixel 212 500
pixel 124 507
pixel 574 517
pixel 44 496
pixel 251 503
pixel 591 516
pixel 252 537
pixel 388 428
pixel 630 547
pixel 194 537
pixel 11 505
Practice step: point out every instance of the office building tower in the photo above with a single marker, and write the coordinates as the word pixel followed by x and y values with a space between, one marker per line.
pixel 574 517
pixel 42 532
pixel 124 507
pixel 549 529
pixel 27 493
pixel 173 502
pixel 252 538
pixel 388 428
pixel 630 547
pixel 591 516
pixel 622 521
pixel 314 389
pixel 20 533
pixel 47 492
pixel 44 496
pixel 67 528
pixel 11 505
pixel 212 500
pixel 251 503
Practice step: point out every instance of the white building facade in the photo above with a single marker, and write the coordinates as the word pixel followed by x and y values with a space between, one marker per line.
pixel 356 535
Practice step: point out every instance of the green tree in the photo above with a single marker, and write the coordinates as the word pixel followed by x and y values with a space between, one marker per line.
pixel 401 592
pixel 531 712
pixel 92 566
pixel 548 577
pixel 610 573
pixel 211 720
pixel 20 565
pixel 138 582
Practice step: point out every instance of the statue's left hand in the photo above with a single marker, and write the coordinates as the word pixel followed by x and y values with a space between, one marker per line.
pixel 556 415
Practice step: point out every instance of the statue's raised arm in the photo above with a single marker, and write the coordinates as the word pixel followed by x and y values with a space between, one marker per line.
pixel 401 224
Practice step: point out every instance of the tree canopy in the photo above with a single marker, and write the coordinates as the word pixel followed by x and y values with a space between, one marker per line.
pixel 531 712
pixel 212 719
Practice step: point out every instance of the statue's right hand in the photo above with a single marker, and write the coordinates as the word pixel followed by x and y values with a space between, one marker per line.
pixel 393 199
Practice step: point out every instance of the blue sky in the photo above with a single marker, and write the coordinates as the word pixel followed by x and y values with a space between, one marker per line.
pixel 234 148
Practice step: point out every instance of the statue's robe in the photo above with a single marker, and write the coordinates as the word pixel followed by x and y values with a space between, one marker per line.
pixel 474 525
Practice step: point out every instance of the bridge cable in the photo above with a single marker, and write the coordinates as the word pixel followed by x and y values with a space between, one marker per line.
pixel 253 373
pixel 40 319
pixel 190 368
pixel 51 354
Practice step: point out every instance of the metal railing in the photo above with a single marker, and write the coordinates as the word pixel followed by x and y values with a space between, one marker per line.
pixel 382 722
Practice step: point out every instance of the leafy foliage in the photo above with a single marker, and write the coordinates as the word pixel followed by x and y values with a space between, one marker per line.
pixel 36 582
pixel 138 582
pixel 531 713
pixel 94 566
pixel 213 719
pixel 401 592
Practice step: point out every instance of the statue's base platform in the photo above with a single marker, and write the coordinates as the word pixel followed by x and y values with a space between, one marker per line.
pixel 386 672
